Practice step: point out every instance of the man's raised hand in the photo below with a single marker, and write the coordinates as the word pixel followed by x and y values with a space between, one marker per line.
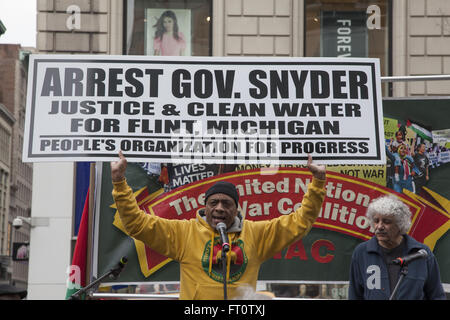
pixel 318 171
pixel 118 168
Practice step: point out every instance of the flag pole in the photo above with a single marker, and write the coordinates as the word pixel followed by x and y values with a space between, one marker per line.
pixel 90 223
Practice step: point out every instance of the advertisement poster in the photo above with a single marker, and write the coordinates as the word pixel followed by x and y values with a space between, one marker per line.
pixel 21 251
pixel 268 191
pixel 168 32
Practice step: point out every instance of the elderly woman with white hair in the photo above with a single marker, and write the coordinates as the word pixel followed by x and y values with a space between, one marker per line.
pixel 373 275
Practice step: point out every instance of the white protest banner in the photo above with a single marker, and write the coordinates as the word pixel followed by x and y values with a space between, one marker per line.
pixel 204 109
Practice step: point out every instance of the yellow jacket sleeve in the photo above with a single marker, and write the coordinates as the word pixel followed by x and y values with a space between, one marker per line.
pixel 162 235
pixel 274 235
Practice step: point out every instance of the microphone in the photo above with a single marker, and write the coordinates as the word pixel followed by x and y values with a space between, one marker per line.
pixel 222 229
pixel 118 269
pixel 403 261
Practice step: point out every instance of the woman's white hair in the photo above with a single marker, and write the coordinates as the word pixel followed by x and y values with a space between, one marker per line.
pixel 390 205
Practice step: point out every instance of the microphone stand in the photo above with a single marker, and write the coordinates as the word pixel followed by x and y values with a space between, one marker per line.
pixel 113 274
pixel 403 273
pixel 224 272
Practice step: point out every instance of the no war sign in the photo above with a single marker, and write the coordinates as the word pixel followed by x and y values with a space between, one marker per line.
pixel 204 109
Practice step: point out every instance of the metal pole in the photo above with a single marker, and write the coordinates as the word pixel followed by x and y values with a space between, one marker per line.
pixel 416 78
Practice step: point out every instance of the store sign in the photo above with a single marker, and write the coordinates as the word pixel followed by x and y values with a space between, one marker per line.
pixel 204 109
pixel 344 34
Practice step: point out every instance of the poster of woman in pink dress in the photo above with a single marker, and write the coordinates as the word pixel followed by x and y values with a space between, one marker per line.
pixel 168 32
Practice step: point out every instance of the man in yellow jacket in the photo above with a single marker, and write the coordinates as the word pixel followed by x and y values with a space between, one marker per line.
pixel 195 243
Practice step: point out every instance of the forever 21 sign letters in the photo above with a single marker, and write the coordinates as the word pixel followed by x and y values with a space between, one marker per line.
pixel 204 109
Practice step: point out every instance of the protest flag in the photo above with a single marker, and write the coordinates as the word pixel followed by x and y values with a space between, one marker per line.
pixel 77 270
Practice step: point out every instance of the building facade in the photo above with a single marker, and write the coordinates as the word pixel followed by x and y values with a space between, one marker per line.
pixel 6 124
pixel 15 176
pixel 409 38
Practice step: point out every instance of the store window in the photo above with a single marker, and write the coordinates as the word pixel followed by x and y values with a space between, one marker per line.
pixel 168 27
pixel 351 28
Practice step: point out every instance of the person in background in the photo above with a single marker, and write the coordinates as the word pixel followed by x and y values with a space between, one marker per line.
pixel 404 169
pixel 422 164
pixel 373 276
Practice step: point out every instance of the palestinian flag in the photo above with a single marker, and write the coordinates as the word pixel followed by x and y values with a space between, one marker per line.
pixel 77 273
pixel 422 132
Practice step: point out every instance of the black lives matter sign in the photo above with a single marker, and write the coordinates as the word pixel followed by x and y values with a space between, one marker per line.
pixel 204 109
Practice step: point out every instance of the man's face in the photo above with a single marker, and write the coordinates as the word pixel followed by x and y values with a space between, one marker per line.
pixel 386 230
pixel 220 208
